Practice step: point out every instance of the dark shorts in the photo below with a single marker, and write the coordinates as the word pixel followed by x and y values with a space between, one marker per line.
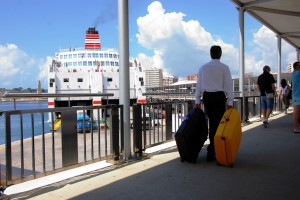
pixel 266 103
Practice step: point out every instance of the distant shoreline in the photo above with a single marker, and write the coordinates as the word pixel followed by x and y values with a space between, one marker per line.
pixel 23 99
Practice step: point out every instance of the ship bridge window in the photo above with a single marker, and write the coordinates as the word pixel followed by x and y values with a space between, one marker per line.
pixel 101 55
pixel 116 63
pixel 106 55
pixel 61 57
pixel 109 79
pixel 70 55
pixel 65 56
pixel 94 63
pixel 89 55
pixel 80 80
pixel 110 55
pixel 95 55
pixel 112 63
pixel 115 55
pixel 84 63
pixel 81 55
pixel 79 63
pixel 69 64
pixel 74 55
pixel 90 63
pixel 102 63
pixel 75 64
pixel 66 80
pixel 106 63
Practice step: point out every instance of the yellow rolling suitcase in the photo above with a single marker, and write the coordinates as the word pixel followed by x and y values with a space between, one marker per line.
pixel 228 137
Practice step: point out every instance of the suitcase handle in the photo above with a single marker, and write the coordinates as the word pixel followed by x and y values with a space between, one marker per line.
pixel 224 119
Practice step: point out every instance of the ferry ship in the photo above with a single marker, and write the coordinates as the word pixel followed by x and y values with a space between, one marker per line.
pixel 91 69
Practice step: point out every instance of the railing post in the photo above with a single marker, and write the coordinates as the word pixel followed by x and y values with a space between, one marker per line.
pixel 137 129
pixel 114 130
pixel 246 109
pixel 8 148
pixel 69 140
pixel 190 105
pixel 242 108
pixel 168 122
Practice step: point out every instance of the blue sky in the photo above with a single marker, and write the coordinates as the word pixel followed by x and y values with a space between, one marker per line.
pixel 174 35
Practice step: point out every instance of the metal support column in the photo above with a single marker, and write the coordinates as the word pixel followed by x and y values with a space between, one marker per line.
pixel 242 59
pixel 124 71
pixel 279 68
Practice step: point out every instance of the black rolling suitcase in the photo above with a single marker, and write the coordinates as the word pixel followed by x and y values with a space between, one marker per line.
pixel 191 135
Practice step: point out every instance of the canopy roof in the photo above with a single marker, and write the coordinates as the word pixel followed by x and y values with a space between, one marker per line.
pixel 280 16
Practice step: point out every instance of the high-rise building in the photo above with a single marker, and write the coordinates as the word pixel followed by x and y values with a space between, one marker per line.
pixel 39 87
pixel 290 68
pixel 154 77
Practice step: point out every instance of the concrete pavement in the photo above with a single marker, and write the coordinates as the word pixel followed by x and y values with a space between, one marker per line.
pixel 267 167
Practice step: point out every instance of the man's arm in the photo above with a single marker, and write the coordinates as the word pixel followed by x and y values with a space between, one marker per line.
pixel 228 87
pixel 198 89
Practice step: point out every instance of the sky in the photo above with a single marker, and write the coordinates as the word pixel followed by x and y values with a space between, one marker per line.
pixel 174 35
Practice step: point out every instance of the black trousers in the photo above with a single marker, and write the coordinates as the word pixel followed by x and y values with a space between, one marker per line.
pixel 214 107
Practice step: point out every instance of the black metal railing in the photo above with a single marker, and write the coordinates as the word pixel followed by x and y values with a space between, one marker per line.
pixel 44 153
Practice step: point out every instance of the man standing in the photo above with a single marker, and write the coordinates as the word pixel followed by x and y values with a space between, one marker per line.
pixel 296 95
pixel 215 86
pixel 266 86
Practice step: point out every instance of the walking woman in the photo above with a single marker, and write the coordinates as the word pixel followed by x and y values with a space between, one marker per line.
pixel 283 94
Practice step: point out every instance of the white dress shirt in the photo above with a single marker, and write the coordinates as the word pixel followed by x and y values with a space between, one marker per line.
pixel 214 76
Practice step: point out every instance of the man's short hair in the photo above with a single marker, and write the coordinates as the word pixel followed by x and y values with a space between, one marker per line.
pixel 267 68
pixel 215 52
pixel 296 64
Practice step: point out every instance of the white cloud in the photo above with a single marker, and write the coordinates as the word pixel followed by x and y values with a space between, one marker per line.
pixel 266 51
pixel 18 68
pixel 181 47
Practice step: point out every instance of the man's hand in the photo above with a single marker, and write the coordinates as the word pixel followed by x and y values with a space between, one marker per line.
pixel 228 106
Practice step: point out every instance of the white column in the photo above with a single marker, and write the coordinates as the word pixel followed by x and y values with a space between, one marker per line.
pixel 279 61
pixel 242 58
pixel 124 71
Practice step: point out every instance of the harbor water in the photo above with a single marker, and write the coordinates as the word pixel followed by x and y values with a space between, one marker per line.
pixel 26 119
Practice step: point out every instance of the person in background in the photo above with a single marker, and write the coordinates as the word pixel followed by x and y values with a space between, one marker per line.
pixel 215 86
pixel 283 94
pixel 266 86
pixel 295 77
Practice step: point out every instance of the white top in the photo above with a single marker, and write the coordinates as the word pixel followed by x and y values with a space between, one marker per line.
pixel 214 76
pixel 284 90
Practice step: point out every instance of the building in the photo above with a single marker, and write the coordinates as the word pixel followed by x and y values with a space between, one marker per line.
pixel 154 77
pixel 192 77
pixel 290 68
pixel 169 80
